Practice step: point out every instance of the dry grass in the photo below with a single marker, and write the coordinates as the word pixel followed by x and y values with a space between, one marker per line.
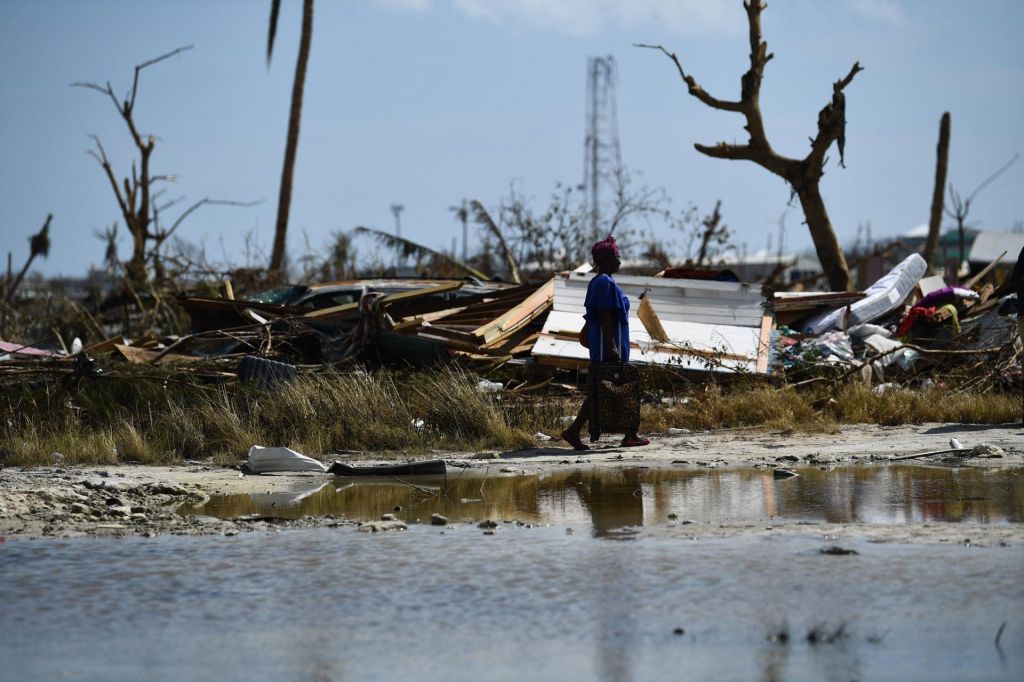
pixel 135 421
pixel 128 420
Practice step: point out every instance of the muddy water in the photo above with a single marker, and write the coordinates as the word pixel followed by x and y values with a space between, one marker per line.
pixel 608 499
pixel 525 604
pixel 538 603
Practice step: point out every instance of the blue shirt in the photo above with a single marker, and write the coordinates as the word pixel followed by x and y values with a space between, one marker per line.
pixel 604 294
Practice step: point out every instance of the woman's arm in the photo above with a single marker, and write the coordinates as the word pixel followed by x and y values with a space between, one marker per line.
pixel 607 318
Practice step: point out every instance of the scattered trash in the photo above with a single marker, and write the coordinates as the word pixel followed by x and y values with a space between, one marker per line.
pixel 264 373
pixel 880 389
pixel 882 297
pixel 277 459
pixel 540 435
pixel 382 526
pixel 987 450
pixel 955 443
pixel 430 467
pixel 836 550
pixel 677 431
pixel 485 386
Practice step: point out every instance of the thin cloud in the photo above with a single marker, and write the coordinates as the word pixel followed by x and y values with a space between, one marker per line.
pixel 417 6
pixel 585 17
pixel 886 11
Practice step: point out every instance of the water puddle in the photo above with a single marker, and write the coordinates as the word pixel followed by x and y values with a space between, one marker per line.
pixel 539 604
pixel 606 499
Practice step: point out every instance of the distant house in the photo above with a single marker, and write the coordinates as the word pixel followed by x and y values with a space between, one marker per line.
pixel 989 245
pixel 948 247
pixel 757 266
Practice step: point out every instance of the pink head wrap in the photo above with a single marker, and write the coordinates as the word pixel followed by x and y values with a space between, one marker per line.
pixel 604 249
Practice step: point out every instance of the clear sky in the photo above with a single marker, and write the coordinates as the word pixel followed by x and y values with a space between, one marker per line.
pixel 424 102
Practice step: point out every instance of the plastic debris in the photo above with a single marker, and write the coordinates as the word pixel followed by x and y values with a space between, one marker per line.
pixel 276 459
pixel 485 386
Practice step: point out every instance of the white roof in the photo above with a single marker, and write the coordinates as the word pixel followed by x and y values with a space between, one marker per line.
pixel 802 261
pixel 919 232
pixel 988 245
pixel 722 321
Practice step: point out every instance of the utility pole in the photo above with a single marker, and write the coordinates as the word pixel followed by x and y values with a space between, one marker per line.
pixel 462 215
pixel 397 209
pixel 602 157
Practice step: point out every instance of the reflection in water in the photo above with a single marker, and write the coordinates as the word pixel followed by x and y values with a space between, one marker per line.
pixel 537 604
pixel 608 500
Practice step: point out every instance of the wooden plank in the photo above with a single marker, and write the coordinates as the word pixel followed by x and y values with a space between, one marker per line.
pixel 645 311
pixel 523 313
pixel 105 346
pixel 456 344
pixel 448 333
pixel 142 356
pixel 764 344
pixel 402 297
pixel 969 284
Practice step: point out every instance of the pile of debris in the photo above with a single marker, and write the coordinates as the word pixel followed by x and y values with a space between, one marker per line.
pixel 905 326
pixel 901 328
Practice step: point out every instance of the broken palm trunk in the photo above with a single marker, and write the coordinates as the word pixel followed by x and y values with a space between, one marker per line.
pixel 709 326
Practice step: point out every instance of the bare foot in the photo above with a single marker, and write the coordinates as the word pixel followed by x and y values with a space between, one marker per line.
pixel 573 439
pixel 634 441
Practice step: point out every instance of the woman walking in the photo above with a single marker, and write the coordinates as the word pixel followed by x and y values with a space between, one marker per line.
pixel 607 327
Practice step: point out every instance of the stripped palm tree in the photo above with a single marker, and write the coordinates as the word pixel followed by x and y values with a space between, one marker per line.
pixel 39 245
pixel 284 201
pixel 406 248
pixel 482 217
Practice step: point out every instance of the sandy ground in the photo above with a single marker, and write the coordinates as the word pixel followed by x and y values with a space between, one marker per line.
pixel 142 500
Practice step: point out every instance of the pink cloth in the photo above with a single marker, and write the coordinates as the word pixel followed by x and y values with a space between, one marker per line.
pixel 604 249
pixel 21 349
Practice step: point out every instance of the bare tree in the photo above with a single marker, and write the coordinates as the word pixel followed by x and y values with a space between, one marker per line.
pixel 960 207
pixel 803 175
pixel 284 201
pixel 714 232
pixel 941 166
pixel 136 195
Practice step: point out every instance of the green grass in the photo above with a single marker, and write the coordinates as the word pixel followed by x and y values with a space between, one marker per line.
pixel 130 419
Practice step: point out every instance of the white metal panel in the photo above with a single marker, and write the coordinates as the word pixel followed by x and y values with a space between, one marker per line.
pixel 719 339
pixel 564 349
pixel 729 339
pixel 720 318
pixel 989 244
pixel 729 303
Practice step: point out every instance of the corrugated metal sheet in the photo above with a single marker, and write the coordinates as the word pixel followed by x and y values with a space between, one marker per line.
pixel 713 326
pixel 988 245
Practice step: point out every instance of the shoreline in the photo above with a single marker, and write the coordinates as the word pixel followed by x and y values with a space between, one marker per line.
pixel 142 500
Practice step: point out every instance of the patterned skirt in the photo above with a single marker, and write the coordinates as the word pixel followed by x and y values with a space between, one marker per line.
pixel 614 399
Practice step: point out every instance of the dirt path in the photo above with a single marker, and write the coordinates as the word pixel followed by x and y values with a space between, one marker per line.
pixel 142 500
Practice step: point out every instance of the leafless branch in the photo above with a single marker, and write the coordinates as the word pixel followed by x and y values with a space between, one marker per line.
pixel 202 202
pixel 987 181
pixel 130 101
pixel 693 86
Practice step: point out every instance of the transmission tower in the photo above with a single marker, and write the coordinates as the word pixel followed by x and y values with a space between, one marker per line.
pixel 602 158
